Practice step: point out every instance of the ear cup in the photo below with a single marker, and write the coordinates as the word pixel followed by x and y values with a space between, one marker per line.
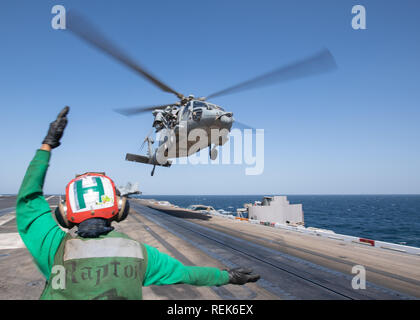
pixel 123 207
pixel 61 215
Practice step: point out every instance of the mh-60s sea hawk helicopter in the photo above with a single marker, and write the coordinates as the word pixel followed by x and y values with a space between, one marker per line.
pixel 175 121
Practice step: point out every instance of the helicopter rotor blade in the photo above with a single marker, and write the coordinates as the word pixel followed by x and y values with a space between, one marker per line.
pixel 320 62
pixel 138 110
pixel 87 32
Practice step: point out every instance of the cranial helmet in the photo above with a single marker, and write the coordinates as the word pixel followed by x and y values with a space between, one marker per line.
pixel 91 195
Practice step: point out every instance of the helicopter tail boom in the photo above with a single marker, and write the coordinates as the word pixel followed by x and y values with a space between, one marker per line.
pixel 146 160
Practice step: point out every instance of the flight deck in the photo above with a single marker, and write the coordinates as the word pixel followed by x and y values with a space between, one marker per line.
pixel 292 265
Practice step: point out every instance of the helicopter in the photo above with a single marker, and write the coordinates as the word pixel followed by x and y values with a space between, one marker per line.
pixel 177 120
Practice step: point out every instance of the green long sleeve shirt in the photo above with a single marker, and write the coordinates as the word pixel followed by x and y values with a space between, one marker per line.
pixel 42 236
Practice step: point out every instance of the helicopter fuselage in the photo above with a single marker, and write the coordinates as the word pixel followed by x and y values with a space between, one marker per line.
pixel 188 129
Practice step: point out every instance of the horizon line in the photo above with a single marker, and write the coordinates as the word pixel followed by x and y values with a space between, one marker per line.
pixel 261 194
pixel 292 194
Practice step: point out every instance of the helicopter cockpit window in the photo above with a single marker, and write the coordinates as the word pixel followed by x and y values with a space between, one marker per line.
pixel 199 104
pixel 197 113
pixel 213 106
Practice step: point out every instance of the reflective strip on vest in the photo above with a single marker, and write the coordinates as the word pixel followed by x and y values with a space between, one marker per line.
pixel 108 247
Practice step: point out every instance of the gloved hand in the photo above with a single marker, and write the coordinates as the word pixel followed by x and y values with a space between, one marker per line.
pixel 242 276
pixel 56 129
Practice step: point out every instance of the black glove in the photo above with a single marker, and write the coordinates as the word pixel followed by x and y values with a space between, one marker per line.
pixel 56 129
pixel 242 276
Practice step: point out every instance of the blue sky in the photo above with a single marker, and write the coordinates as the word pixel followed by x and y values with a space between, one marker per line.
pixel 354 131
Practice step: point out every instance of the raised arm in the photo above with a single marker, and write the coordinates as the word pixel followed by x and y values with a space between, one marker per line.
pixel 37 228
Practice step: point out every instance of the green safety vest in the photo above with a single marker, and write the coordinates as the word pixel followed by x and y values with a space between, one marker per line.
pixel 109 267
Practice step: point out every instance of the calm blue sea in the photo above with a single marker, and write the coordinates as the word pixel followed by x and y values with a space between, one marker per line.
pixel 391 218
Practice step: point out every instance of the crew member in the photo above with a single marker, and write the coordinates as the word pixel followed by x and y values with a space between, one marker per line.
pixel 98 262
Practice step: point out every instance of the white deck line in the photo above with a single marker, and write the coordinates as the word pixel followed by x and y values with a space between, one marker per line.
pixel 7 217
pixel 11 241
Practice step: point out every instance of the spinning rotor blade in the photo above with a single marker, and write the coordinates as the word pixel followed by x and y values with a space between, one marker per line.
pixel 81 28
pixel 318 63
pixel 137 110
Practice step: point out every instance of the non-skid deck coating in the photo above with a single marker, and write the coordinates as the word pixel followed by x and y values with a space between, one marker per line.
pixel 291 265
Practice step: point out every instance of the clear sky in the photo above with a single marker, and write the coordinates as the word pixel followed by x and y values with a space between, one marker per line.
pixel 354 131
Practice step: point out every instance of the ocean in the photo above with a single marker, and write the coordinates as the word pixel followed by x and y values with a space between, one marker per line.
pixel 391 218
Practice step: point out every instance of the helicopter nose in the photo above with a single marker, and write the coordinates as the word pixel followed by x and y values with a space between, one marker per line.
pixel 226 120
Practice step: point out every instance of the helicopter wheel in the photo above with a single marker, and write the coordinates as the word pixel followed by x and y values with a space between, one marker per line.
pixel 213 154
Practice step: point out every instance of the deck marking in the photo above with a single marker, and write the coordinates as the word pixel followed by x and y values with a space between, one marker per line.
pixel 11 241
pixel 6 218
pixel 7 210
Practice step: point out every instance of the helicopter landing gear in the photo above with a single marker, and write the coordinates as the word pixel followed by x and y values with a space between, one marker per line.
pixel 153 171
pixel 213 153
